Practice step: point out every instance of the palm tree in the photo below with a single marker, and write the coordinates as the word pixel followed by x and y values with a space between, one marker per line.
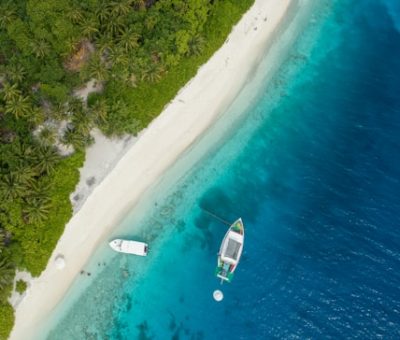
pixel 118 57
pixel 16 73
pixel 58 112
pixel 70 45
pixel 122 73
pixel 11 187
pixel 47 136
pixel 104 43
pixel 75 105
pixel 103 12
pixel 89 27
pixel 75 15
pixel 115 26
pixel 97 69
pixel 152 73
pixel 36 116
pixel 74 137
pixel 7 14
pixel 40 48
pixel 10 92
pixel 46 158
pixel 7 272
pixel 39 189
pixel 36 210
pixel 129 40
pixel 18 106
pixel 196 45
pixel 82 121
pixel 23 152
pixel 99 111
pixel 68 136
pixel 25 175
pixel 121 7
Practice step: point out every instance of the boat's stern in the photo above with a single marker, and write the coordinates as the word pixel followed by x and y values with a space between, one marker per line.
pixel 224 272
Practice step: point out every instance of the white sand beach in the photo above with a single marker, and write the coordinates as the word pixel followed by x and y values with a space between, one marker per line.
pixel 193 110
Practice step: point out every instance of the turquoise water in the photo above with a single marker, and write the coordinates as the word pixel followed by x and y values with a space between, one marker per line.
pixel 308 157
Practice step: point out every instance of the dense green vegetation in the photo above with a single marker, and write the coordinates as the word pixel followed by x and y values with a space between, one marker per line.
pixel 7 320
pixel 141 51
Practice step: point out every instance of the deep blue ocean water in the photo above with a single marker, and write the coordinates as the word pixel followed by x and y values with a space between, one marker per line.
pixel 313 168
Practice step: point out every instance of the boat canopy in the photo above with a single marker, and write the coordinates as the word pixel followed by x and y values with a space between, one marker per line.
pixel 231 250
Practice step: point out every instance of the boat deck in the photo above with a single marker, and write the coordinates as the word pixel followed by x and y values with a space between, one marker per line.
pixel 232 250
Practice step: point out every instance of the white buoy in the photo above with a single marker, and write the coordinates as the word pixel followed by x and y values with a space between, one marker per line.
pixel 60 261
pixel 218 295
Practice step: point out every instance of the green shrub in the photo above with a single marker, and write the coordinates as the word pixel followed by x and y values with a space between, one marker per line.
pixel 21 286
pixel 56 92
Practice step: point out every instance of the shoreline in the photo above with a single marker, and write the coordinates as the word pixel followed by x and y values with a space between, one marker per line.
pixel 196 106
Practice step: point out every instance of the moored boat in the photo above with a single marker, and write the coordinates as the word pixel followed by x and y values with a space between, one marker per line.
pixel 129 247
pixel 230 251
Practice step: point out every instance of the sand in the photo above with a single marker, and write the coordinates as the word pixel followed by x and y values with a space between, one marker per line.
pixel 101 158
pixel 193 110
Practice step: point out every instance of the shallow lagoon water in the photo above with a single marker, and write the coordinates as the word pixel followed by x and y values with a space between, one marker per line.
pixel 311 165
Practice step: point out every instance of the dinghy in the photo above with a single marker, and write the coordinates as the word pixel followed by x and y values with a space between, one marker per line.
pixel 129 247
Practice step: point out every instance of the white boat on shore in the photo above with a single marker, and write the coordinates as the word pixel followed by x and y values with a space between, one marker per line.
pixel 230 251
pixel 129 247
